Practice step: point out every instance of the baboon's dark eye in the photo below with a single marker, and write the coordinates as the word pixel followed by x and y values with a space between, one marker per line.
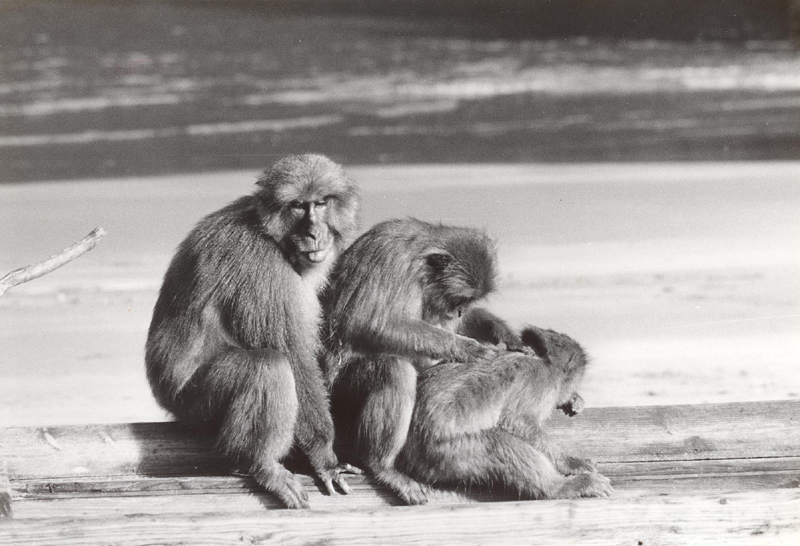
pixel 439 261
pixel 296 205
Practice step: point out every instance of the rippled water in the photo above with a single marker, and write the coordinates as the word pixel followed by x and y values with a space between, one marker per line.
pixel 116 89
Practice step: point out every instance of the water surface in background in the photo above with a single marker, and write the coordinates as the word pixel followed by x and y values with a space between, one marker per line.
pixel 101 89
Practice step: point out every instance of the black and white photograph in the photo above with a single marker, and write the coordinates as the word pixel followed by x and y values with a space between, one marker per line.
pixel 400 272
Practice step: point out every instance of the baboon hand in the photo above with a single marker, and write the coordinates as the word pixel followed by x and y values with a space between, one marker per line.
pixel 335 475
pixel 519 347
pixel 470 350
pixel 586 485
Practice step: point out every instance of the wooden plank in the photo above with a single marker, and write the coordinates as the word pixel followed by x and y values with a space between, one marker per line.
pixel 144 495
pixel 692 476
pixel 109 450
pixel 629 479
pixel 759 517
pixel 612 435
pixel 171 460
pixel 716 474
pixel 685 432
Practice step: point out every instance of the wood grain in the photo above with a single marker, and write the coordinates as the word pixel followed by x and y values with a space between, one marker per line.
pixel 758 517
pixel 608 435
pixel 629 480
pixel 705 474
pixel 685 432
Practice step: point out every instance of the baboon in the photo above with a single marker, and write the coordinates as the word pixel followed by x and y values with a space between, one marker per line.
pixel 394 304
pixel 482 422
pixel 234 338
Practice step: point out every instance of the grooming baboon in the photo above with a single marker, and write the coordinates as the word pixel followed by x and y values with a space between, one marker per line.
pixel 234 338
pixel 482 422
pixel 394 301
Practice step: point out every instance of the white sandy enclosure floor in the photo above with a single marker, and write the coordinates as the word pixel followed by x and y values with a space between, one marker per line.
pixel 682 280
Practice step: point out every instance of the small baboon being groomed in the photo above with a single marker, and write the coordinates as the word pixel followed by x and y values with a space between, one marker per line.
pixel 482 423
pixel 234 338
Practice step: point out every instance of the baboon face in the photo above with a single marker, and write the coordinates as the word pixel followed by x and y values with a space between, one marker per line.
pixel 573 405
pixel 312 239
pixel 311 207
pixel 459 273
pixel 447 319
pixel 568 357
pixel 573 362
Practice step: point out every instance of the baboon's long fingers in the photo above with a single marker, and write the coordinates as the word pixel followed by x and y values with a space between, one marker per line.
pixel 342 483
pixel 329 486
pixel 349 469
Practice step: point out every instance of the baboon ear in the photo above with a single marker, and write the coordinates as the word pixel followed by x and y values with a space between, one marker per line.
pixel 439 260
pixel 536 340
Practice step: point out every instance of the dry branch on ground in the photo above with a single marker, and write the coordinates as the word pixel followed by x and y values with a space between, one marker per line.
pixel 28 273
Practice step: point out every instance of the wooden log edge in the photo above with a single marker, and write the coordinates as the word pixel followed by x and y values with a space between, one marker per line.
pixel 6 509
pixel 755 517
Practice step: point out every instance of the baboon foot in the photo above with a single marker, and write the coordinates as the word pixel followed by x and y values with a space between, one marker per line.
pixel 335 475
pixel 411 491
pixel 285 486
pixel 414 494
pixel 576 465
pixel 585 485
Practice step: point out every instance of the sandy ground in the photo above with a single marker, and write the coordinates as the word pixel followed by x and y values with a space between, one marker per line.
pixel 681 279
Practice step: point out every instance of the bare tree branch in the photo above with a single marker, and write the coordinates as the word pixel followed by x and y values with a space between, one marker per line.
pixel 25 274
